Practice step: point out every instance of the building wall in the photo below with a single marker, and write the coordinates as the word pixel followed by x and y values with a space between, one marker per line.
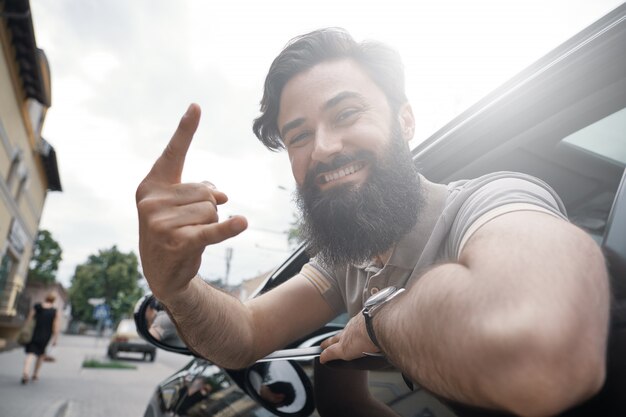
pixel 23 187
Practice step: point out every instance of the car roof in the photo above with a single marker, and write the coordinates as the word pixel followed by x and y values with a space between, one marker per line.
pixel 540 123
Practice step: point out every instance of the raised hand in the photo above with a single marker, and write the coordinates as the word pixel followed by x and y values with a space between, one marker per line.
pixel 177 221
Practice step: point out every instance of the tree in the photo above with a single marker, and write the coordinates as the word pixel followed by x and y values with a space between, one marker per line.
pixel 47 254
pixel 294 234
pixel 111 275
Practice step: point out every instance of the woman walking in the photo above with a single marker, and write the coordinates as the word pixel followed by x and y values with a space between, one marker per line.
pixel 46 328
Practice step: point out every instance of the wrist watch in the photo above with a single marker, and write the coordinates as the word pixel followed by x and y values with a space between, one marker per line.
pixel 373 304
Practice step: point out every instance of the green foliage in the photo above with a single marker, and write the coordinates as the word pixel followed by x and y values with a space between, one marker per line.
pixel 47 254
pixel 294 236
pixel 105 364
pixel 111 275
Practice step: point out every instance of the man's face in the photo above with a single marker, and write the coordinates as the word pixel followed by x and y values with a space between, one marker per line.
pixel 150 315
pixel 357 187
pixel 332 109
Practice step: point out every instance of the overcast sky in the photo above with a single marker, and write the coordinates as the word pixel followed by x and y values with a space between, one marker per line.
pixel 123 73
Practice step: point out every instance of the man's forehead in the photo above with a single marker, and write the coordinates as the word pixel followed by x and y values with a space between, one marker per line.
pixel 327 83
pixel 342 72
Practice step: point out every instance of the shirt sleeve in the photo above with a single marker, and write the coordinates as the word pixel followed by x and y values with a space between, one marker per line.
pixel 493 197
pixel 325 283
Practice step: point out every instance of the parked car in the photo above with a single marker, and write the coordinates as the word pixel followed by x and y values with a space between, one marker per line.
pixel 563 120
pixel 126 339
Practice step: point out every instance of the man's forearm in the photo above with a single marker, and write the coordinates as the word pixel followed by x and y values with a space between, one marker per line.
pixel 426 333
pixel 466 345
pixel 214 324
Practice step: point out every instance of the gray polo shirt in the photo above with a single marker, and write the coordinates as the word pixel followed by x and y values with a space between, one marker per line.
pixel 449 215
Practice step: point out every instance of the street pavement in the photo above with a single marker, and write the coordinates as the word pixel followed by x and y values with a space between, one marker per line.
pixel 65 389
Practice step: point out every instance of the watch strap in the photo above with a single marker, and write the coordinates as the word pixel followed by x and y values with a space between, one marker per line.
pixel 369 326
pixel 370 311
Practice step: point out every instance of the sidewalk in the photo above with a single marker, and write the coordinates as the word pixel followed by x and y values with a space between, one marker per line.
pixel 65 389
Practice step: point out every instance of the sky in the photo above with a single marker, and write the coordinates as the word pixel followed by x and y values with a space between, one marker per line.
pixel 124 72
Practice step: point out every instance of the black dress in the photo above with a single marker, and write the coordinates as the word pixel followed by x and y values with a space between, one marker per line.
pixel 44 319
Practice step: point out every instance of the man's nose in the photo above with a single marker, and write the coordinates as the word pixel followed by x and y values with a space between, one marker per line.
pixel 327 145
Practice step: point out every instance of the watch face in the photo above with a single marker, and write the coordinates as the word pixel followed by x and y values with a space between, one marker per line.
pixel 380 296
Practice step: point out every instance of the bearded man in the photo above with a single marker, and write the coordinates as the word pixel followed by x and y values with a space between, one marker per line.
pixel 455 284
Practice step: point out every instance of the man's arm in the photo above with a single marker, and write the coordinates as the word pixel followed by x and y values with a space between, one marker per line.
pixel 233 334
pixel 176 222
pixel 519 323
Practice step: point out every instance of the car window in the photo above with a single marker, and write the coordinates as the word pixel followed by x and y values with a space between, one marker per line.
pixel 605 138
pixel 600 157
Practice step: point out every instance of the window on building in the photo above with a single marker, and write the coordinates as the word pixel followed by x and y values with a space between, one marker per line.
pixel 35 113
pixel 7 265
pixel 21 185
pixel 16 160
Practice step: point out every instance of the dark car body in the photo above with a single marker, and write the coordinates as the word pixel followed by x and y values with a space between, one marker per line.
pixel 563 120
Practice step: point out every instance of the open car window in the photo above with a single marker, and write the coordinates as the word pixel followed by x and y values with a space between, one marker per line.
pixel 604 139
pixel 601 144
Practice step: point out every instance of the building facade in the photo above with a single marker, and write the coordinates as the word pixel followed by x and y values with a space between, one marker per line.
pixel 28 167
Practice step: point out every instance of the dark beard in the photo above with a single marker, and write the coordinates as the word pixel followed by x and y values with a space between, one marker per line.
pixel 350 224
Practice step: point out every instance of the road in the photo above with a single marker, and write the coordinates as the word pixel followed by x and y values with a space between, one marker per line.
pixel 65 389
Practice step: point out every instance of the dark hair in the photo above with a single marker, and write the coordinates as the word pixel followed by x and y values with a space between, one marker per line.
pixel 380 62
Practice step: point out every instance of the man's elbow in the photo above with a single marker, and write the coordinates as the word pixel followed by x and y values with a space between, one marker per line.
pixel 560 392
pixel 556 380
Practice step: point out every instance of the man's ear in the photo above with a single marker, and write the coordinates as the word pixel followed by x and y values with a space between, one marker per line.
pixel 407 121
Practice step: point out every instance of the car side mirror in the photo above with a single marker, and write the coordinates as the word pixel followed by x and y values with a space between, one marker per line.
pixel 156 327
pixel 281 387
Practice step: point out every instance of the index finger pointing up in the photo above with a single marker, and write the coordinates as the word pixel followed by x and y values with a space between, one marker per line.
pixel 169 166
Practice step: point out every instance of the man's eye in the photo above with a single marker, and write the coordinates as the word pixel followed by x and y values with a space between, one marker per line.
pixel 299 138
pixel 346 114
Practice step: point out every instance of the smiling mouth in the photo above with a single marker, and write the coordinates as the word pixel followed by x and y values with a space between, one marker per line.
pixel 332 176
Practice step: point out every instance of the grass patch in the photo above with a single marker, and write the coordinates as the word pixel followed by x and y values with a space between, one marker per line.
pixel 106 364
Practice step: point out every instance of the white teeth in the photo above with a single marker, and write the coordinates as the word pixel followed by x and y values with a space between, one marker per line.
pixel 342 172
